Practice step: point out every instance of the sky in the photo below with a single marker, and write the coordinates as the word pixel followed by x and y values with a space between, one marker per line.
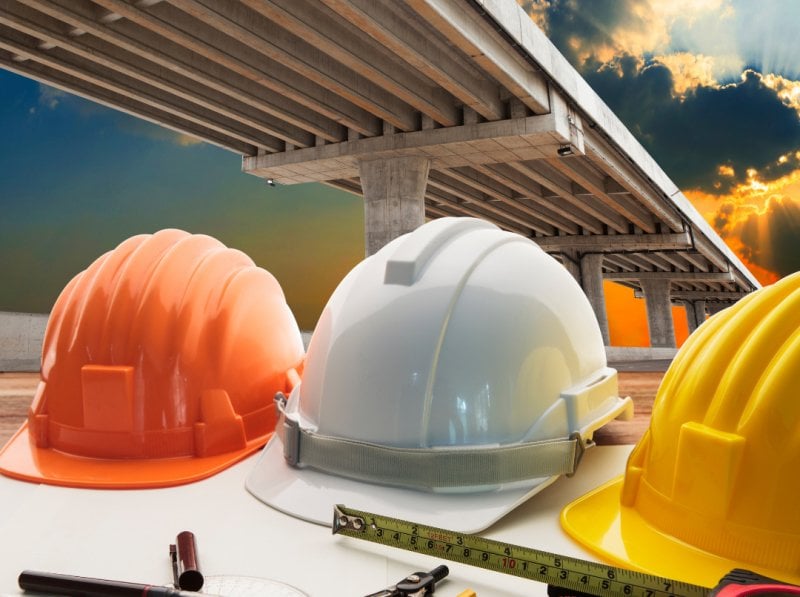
pixel 711 88
pixel 77 178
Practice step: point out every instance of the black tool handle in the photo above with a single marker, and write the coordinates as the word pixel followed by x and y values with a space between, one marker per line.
pixel 81 586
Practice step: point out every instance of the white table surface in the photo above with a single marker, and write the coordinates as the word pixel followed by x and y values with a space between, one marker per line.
pixel 125 535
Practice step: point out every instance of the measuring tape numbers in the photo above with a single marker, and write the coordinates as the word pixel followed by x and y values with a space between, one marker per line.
pixel 573 574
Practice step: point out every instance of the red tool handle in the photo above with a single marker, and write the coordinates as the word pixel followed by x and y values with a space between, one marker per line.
pixel 743 583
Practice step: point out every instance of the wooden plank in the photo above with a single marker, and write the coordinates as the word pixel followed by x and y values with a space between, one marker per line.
pixel 17 390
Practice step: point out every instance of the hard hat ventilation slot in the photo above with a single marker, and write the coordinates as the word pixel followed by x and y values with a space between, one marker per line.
pixel 221 429
pixel 108 397
pixel 707 468
pixel 416 250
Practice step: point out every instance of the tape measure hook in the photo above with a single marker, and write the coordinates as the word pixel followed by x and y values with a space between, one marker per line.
pixel 346 522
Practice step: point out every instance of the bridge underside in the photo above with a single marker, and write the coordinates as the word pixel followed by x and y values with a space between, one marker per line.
pixel 427 108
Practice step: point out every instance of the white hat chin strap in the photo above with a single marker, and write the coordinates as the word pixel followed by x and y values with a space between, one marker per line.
pixel 427 468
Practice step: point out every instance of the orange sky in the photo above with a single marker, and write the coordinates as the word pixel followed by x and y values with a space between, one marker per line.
pixel 750 201
pixel 627 318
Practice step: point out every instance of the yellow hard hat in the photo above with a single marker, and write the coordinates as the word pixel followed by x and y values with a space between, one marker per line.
pixel 714 483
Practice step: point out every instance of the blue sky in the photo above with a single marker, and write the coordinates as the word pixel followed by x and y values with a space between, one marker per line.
pixel 710 87
pixel 77 178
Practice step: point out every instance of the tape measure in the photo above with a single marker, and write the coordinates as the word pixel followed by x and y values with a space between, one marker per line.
pixel 572 574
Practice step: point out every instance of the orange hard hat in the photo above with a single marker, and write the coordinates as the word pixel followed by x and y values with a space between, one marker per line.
pixel 159 367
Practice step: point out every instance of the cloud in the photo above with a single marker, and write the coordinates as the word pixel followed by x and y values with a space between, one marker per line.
pixel 50 97
pixel 786 89
pixel 599 31
pixel 53 98
pixel 740 126
pixel 760 221
pixel 689 71
pixel 675 72
pixel 771 237
pixel 133 125
pixel 185 140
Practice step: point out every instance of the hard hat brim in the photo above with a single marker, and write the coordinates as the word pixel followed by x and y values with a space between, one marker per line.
pixel 311 495
pixel 620 535
pixel 21 459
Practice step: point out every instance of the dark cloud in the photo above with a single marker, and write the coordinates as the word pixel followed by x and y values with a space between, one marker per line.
pixel 723 218
pixel 576 28
pixel 770 239
pixel 742 125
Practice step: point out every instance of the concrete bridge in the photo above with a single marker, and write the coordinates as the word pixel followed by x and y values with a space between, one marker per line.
pixel 427 108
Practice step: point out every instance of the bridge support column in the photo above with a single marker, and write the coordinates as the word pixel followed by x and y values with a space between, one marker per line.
pixel 715 307
pixel 573 265
pixel 592 283
pixel 659 312
pixel 394 198
pixel 695 314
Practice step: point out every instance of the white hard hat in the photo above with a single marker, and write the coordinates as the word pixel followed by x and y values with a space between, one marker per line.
pixel 452 375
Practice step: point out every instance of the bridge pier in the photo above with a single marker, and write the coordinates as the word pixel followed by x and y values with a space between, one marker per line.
pixel 659 312
pixel 394 197
pixel 695 314
pixel 715 307
pixel 591 280
pixel 571 261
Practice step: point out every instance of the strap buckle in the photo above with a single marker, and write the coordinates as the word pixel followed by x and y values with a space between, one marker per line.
pixel 580 448
pixel 289 430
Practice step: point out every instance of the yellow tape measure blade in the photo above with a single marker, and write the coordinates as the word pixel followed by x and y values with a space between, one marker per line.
pixel 573 574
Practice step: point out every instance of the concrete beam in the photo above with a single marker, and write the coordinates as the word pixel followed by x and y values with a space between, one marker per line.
pixel 616 243
pixel 494 190
pixel 514 176
pixel 580 210
pixel 621 261
pixel 671 276
pixel 576 170
pixel 467 31
pixel 102 96
pixel 121 85
pixel 546 175
pixel 310 22
pixel 275 43
pixel 592 284
pixel 467 145
pixel 248 64
pixel 457 207
pixel 185 90
pixel 697 260
pixel 669 260
pixel 702 295
pixel 502 187
pixel 506 209
pixel 380 21
pixel 611 161
pixel 180 61
pixel 659 312
pixel 394 198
